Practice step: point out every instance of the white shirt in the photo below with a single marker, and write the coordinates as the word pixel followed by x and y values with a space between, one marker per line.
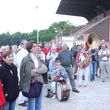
pixel 51 57
pixel 102 52
pixel 20 55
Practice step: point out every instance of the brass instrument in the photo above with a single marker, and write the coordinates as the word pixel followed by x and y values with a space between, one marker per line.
pixel 87 60
pixel 93 41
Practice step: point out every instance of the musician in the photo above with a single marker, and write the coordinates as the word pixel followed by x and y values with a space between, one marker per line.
pixel 56 73
pixel 83 61
pixel 104 63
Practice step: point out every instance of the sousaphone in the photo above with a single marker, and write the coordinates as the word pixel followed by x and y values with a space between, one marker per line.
pixel 93 41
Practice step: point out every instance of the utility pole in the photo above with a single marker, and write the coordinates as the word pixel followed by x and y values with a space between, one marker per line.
pixel 37 36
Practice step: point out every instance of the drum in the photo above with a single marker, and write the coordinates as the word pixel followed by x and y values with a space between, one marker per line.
pixel 62 90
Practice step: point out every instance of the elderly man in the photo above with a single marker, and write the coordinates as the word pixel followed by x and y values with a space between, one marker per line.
pixel 22 52
pixel 104 55
pixel 65 57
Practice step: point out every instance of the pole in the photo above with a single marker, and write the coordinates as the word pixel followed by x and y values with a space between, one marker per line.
pixel 37 36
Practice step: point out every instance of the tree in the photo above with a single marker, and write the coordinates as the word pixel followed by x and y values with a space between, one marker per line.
pixel 56 29
pixel 64 25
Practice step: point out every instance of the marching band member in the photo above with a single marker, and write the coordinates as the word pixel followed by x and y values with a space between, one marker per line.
pixel 83 61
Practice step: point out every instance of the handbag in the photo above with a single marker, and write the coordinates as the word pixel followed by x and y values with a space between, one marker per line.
pixel 35 90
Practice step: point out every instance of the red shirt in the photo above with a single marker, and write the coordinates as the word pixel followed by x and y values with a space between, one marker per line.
pixel 58 50
pixel 46 51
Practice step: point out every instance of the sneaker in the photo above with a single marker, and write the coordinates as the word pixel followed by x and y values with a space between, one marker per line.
pixel 75 90
pixel 23 104
pixel 54 96
pixel 84 85
pixel 49 93
pixel 80 85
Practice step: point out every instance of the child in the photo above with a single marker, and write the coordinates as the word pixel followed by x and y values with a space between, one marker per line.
pixel 56 73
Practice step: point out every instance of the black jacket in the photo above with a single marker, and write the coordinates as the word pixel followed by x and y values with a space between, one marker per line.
pixel 9 79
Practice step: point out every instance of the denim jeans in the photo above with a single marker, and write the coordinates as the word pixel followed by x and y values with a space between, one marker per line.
pixel 93 69
pixel 35 103
pixel 10 105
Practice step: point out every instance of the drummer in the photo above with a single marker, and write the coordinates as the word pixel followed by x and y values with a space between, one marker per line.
pixel 56 73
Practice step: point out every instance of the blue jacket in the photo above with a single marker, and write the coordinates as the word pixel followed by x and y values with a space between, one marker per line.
pixel 61 74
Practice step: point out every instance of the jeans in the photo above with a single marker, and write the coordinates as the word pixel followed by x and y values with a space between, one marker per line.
pixel 93 69
pixel 35 103
pixel 10 105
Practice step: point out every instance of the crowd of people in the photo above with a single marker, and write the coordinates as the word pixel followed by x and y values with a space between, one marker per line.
pixel 26 67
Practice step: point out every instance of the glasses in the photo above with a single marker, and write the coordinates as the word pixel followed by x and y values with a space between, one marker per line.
pixel 34 46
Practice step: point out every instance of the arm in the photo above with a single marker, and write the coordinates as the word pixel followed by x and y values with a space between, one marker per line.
pixel 51 73
pixel 64 73
pixel 49 56
pixel 40 70
pixel 103 55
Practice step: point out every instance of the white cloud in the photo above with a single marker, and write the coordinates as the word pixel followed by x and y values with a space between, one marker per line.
pixel 26 15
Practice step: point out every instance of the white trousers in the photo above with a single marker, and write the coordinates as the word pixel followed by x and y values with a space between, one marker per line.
pixel 53 87
pixel 83 72
pixel 21 99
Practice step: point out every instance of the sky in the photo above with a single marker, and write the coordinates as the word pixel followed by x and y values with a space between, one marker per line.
pixel 28 15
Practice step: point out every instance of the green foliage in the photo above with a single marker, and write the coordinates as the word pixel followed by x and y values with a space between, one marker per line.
pixel 56 29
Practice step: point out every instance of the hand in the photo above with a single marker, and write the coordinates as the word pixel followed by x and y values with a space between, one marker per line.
pixel 33 81
pixel 58 68
pixel 79 64
pixel 34 70
pixel 38 56
pixel 52 75
pixel 1 108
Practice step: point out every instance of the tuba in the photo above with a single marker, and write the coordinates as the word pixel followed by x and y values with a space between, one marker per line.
pixel 84 61
pixel 93 41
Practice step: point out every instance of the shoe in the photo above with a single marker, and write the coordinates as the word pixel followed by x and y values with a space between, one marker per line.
pixel 80 85
pixel 84 85
pixel 54 96
pixel 49 93
pixel 75 90
pixel 23 104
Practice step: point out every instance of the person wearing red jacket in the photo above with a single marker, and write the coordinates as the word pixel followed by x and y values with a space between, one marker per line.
pixel 2 97
pixel 47 48
pixel 59 48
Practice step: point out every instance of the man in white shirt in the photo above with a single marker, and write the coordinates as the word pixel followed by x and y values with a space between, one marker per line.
pixel 22 52
pixel 104 63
